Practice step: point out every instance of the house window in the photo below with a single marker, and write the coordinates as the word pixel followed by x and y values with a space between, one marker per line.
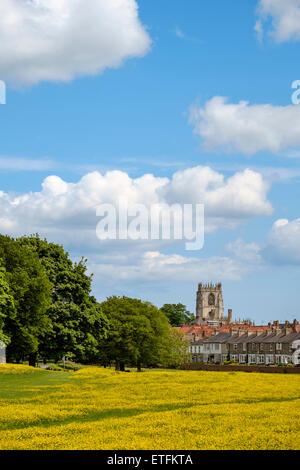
pixel 252 358
pixel 269 359
pixel 279 346
pixel 253 346
pixel 284 359
pixel 271 347
pixel 261 347
pixel 235 347
pixel 244 347
pixel 261 359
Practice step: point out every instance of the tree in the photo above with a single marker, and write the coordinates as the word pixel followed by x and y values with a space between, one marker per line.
pixel 77 322
pixel 176 352
pixel 31 291
pixel 138 333
pixel 177 314
pixel 7 306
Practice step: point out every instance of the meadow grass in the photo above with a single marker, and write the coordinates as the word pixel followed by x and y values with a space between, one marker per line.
pixel 98 408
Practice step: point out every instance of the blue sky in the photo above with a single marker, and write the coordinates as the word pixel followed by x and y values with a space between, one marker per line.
pixel 136 117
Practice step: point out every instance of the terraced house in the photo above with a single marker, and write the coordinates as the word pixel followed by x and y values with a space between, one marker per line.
pixel 279 344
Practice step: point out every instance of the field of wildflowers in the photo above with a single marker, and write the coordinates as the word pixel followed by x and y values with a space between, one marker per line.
pixel 96 408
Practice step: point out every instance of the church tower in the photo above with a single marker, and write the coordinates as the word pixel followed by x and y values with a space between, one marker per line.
pixel 209 305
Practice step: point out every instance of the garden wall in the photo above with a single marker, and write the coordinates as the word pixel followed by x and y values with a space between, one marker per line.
pixel 265 369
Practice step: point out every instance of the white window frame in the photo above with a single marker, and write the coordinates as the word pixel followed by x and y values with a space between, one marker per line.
pixel 252 359
pixel 260 359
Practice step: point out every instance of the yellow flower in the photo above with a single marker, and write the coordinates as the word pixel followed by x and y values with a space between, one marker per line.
pixel 97 408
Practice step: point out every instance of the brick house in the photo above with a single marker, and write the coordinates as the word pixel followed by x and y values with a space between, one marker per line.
pixel 277 345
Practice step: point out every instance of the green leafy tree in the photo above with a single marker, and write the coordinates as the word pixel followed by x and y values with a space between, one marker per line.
pixel 176 350
pixel 7 306
pixel 139 334
pixel 177 314
pixel 31 291
pixel 78 324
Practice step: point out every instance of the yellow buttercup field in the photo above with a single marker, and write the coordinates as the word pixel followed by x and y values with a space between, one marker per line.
pixel 98 408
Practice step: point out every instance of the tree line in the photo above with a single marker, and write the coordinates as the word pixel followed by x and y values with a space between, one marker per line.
pixel 47 312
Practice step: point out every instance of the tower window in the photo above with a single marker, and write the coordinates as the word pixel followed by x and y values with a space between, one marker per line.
pixel 211 299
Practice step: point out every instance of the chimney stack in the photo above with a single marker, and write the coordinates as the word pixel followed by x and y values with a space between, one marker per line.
pixel 259 332
pixel 229 315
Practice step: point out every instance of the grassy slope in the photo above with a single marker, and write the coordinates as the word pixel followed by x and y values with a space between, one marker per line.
pixel 100 409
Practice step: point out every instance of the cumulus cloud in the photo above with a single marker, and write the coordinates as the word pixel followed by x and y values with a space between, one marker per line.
pixel 249 253
pixel 246 128
pixel 285 19
pixel 283 243
pixel 64 207
pixel 58 40
pixel 240 196
pixel 154 266
pixel 65 212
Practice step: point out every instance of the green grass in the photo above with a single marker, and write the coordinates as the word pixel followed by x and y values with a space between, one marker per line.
pixel 16 387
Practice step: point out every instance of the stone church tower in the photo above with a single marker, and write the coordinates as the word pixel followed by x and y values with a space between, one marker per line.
pixel 209 306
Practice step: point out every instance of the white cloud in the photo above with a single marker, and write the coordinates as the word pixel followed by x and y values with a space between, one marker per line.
pixel 157 267
pixel 59 40
pixel 285 18
pixel 283 243
pixel 246 128
pixel 65 213
pixel 258 28
pixel 26 164
pixel 62 206
pixel 247 252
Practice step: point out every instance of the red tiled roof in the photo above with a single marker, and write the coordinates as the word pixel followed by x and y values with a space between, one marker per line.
pixel 206 330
